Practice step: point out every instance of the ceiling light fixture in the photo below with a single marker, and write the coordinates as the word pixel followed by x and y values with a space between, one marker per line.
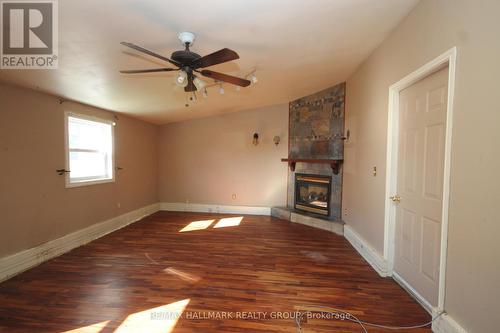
pixel 187 63
pixel 254 79
pixel 199 84
pixel 186 37
pixel 182 79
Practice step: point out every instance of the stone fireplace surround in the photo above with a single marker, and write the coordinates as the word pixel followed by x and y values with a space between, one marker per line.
pixel 316 130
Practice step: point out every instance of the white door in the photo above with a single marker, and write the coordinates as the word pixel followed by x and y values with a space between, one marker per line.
pixel 422 127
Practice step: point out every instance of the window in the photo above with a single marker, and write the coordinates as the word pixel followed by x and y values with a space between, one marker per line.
pixel 89 152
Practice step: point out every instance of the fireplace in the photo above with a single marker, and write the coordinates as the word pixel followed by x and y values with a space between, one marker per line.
pixel 312 193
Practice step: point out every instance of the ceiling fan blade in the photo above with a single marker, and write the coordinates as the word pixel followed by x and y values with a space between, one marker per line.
pixel 215 58
pixel 190 86
pixel 143 50
pixel 137 71
pixel 226 78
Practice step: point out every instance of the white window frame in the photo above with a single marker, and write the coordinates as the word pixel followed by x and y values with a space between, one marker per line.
pixel 80 183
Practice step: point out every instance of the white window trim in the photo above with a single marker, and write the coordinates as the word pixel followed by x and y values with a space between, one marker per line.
pixel 69 184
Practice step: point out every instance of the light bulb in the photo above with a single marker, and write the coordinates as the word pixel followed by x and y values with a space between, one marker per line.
pixel 182 79
pixel 221 90
pixel 254 79
pixel 199 84
pixel 205 93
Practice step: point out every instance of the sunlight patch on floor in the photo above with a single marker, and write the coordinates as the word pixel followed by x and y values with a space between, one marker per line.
pixel 161 319
pixel 221 223
pixel 197 225
pixel 94 328
pixel 229 222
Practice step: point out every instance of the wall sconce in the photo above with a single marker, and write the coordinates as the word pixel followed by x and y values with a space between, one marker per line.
pixel 276 140
pixel 255 140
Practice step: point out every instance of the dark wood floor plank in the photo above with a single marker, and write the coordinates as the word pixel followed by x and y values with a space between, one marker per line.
pixel 262 265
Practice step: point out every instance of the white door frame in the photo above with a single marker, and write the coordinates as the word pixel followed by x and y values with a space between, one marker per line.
pixel 447 58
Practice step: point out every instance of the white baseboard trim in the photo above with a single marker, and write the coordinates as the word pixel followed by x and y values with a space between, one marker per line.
pixel 410 290
pixel 21 261
pixel 443 324
pixel 367 252
pixel 206 208
pixel 446 324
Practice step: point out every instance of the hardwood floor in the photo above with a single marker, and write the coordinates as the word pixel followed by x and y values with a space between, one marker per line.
pixel 133 279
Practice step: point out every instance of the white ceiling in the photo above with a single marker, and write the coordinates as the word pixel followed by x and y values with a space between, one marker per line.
pixel 297 46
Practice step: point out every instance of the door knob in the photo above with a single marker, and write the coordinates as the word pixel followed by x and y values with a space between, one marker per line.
pixel 396 198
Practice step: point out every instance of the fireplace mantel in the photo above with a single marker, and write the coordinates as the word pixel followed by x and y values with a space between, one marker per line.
pixel 334 163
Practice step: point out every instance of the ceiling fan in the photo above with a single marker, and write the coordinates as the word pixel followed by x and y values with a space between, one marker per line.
pixel 189 64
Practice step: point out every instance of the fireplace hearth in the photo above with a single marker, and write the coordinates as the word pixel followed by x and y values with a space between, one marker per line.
pixel 312 193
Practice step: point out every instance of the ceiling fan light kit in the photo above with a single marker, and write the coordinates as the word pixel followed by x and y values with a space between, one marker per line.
pixel 190 65
pixel 199 84
pixel 182 79
pixel 254 79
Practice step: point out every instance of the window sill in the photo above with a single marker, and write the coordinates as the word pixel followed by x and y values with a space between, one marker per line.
pixel 89 182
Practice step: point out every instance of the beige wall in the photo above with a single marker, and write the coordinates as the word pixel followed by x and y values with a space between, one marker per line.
pixel 434 26
pixel 208 160
pixel 35 206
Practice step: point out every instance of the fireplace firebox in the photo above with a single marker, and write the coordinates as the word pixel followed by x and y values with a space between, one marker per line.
pixel 312 193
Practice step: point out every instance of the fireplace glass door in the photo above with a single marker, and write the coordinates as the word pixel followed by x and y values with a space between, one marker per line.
pixel 312 193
